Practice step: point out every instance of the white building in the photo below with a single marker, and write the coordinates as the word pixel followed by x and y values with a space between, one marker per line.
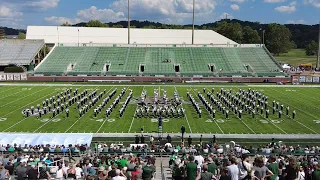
pixel 88 35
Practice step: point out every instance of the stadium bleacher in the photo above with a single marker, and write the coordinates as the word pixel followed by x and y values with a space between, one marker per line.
pixel 17 51
pixel 151 61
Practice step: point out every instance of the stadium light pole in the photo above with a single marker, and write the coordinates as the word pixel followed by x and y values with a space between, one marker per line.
pixel 263 32
pixel 128 21
pixel 58 34
pixel 318 55
pixel 78 37
pixel 193 22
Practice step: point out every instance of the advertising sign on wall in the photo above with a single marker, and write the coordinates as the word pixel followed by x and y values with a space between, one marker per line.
pixel 302 79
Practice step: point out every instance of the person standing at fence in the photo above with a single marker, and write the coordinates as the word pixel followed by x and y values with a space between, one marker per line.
pixel 183 130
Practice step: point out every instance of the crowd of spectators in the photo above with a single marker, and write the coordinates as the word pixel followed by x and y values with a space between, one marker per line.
pixel 188 160
pixel 102 167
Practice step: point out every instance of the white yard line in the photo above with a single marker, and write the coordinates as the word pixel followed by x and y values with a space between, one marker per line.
pixel 238 118
pixel 89 109
pixel 24 97
pixel 47 95
pixel 106 118
pixel 52 118
pixel 134 114
pixel 301 111
pixel 270 121
pixel 25 117
pixel 11 94
pixel 9 89
pixel 185 109
pixel 208 112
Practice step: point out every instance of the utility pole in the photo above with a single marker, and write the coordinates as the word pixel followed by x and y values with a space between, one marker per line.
pixel 193 22
pixel 128 21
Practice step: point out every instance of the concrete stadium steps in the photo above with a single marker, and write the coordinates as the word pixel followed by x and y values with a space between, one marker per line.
pixel 159 61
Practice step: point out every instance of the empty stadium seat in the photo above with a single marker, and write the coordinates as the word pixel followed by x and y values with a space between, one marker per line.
pixel 151 61
pixel 17 51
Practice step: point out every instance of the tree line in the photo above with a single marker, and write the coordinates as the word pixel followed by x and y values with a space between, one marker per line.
pixel 277 38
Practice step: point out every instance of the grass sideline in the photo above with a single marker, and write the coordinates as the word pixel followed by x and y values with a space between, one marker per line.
pixel 14 99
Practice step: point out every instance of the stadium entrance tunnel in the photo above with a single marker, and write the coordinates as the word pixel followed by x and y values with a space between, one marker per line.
pixel 177 68
pixel 141 67
pixel 212 67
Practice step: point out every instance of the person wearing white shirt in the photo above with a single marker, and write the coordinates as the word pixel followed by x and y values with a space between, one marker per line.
pixel 78 172
pixel 199 158
pixel 59 173
pixel 233 170
pixel 301 175
pixel 245 168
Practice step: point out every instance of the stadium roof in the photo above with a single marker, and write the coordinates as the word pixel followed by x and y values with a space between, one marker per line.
pixel 85 35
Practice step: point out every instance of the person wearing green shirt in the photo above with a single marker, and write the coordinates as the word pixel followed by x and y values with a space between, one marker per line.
pixel 147 171
pixel 11 149
pixel 212 167
pixel 273 167
pixel 316 173
pixel 123 162
pixel 177 172
pixel 191 169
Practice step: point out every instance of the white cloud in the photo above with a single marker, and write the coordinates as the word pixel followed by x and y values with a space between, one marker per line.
pixel 8 13
pixel 274 1
pixel 104 15
pixel 315 3
pixel 234 7
pixel 226 15
pixel 61 20
pixel 84 15
pixel 238 1
pixel 287 9
pixel 43 4
pixel 296 22
pixel 166 10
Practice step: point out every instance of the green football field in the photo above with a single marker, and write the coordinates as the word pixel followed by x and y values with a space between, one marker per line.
pixel 14 99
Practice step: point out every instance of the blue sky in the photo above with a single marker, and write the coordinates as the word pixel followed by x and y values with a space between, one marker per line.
pixel 21 13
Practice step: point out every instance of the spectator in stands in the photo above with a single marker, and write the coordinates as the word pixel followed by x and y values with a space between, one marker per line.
pixel 4 174
pixel 118 175
pixel 233 170
pixel 205 175
pixel 191 169
pixel 245 168
pixel 10 168
pixel 44 173
pixel 32 173
pixel 148 171
pixel 261 172
pixel 273 167
pixel 21 171
pixel 135 172
pixel 59 173
pixel 291 171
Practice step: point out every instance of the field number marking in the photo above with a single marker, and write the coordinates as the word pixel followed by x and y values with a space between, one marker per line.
pixel 317 121
pixel 109 120
pixel 3 119
pixel 53 120
pixel 156 120
pixel 26 89
pixel 218 120
pixel 272 121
